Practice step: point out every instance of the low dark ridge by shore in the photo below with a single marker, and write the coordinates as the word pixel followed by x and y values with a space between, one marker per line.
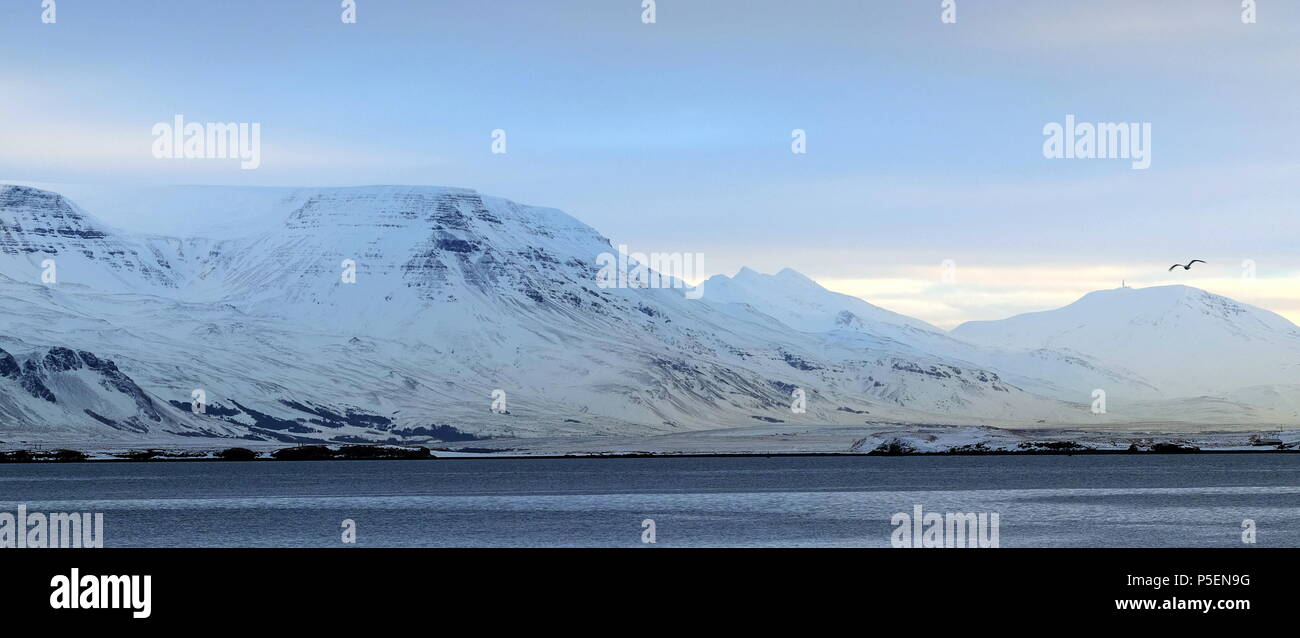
pixel 297 453
pixel 377 452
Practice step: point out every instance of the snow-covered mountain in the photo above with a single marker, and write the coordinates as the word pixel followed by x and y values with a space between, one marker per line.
pixel 803 304
pixel 852 323
pixel 458 298
pixel 37 225
pixel 1184 340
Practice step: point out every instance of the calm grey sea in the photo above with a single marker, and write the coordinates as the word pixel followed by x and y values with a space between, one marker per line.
pixel 1045 501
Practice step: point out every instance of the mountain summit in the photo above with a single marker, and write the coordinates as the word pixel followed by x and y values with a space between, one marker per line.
pixel 1184 340
pixel 800 302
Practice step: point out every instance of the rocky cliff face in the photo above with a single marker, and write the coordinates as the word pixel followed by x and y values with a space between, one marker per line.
pixel 36 225
pixel 64 382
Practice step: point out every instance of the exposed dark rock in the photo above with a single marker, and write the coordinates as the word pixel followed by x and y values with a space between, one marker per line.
pixel 61 360
pixel 358 452
pixel 1053 446
pixel 210 409
pixel 445 433
pixel 9 368
pixel 304 453
pixel 32 383
pixel 893 447
pixel 455 245
pixel 103 419
pixel 28 456
pixel 937 372
pixel 115 379
pixel 798 362
pixel 269 422
pixel 42 222
pixel 140 455
pixel 331 419
pixel 973 448
pixel 237 454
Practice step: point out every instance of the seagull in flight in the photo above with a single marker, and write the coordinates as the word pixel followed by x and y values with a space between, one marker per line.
pixel 1185 267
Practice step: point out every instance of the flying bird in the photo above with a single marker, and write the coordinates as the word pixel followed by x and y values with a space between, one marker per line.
pixel 1186 267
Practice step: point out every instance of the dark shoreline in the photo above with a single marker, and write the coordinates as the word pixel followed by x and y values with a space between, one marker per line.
pixel 647 455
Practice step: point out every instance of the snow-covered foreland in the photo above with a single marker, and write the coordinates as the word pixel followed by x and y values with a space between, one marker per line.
pixel 461 300
pixel 764 440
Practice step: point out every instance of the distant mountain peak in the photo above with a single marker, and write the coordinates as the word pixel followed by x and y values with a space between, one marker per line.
pixel 1183 338
pixel 790 274
pixel 785 274
pixel 801 302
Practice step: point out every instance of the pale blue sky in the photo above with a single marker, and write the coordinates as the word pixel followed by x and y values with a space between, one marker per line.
pixel 924 138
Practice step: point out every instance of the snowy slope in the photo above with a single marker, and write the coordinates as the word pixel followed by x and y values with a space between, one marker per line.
pixel 37 225
pixel 1184 340
pixel 852 323
pixel 802 303
pixel 212 212
pixel 456 295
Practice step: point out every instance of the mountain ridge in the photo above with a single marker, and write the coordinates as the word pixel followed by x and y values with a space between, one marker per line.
pixel 457 296
pixel 1189 340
